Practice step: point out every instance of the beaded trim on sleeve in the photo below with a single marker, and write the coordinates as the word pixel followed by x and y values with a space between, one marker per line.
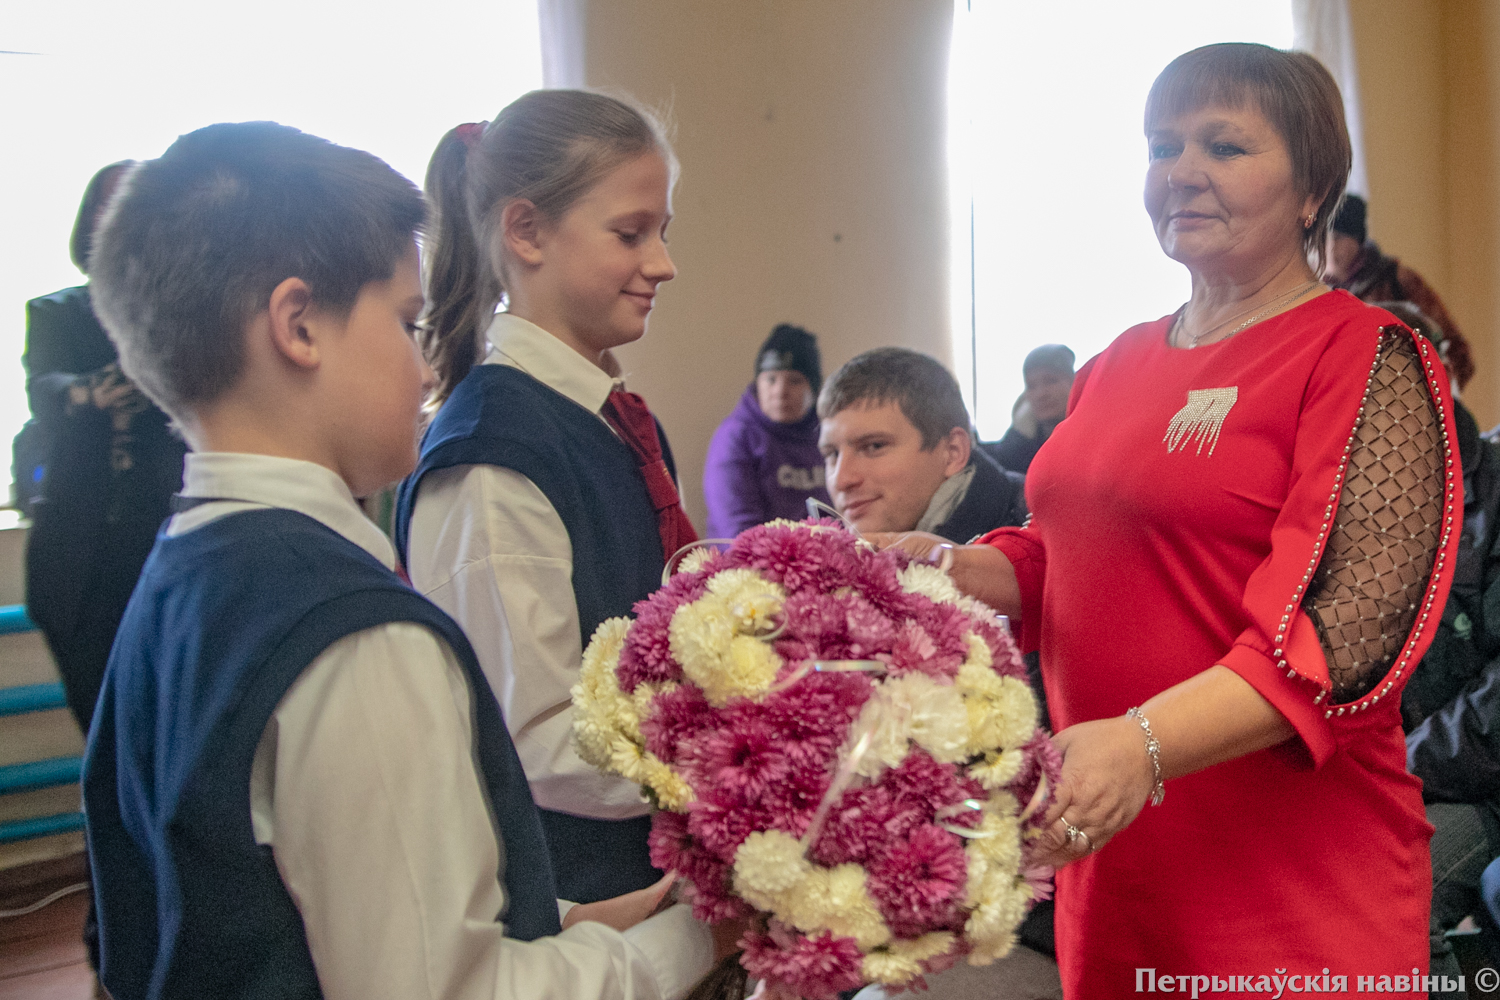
pixel 1435 377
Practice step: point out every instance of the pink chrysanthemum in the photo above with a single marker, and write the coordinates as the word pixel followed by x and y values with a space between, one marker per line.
pixel 1041 757
pixel 745 761
pixel 869 630
pixel 647 655
pixel 721 826
pixel 819 967
pixel 865 818
pixel 815 715
pixel 676 721
pixel 768 762
pixel 1040 879
pixel 918 884
pixel 673 849
pixel 928 785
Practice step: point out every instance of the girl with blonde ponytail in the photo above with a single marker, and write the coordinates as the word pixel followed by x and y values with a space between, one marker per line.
pixel 545 500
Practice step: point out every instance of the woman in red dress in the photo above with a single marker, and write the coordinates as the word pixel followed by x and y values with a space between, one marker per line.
pixel 1240 535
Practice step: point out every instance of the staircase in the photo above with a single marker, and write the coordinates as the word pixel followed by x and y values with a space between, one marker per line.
pixel 40 745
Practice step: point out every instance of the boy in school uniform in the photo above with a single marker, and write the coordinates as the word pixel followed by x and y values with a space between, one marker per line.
pixel 298 782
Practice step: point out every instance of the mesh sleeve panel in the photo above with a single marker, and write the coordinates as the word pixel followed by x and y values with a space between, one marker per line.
pixel 1387 532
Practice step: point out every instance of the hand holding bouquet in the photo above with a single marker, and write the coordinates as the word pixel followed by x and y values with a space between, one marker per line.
pixel 840 745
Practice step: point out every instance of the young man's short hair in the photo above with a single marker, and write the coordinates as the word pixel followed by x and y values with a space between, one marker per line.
pixel 924 390
pixel 194 243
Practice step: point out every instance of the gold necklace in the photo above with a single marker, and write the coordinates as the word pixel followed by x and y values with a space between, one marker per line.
pixel 1285 300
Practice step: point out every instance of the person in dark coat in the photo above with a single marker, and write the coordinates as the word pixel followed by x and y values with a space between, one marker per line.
pixel 1357 264
pixel 106 464
pixel 1468 635
pixel 1048 372
pixel 1451 705
pixel 763 461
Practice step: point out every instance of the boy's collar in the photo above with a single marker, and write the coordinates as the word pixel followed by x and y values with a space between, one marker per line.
pixel 272 481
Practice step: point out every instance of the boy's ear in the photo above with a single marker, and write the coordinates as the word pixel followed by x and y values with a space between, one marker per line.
pixel 291 315
pixel 521 230
pixel 960 446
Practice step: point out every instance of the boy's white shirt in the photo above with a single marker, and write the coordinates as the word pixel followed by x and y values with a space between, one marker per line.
pixel 488 547
pixel 364 787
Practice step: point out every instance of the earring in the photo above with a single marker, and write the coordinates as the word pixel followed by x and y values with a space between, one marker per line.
pixel 1307 223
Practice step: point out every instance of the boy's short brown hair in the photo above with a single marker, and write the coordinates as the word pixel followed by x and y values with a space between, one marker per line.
pixel 193 244
pixel 925 391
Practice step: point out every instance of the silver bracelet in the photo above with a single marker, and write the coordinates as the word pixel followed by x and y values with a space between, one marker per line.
pixel 1153 750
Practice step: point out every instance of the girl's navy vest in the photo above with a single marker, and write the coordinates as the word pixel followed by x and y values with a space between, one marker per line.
pixel 499 415
pixel 223 620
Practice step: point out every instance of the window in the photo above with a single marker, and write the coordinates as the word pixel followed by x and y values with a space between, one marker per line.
pixel 90 83
pixel 1051 243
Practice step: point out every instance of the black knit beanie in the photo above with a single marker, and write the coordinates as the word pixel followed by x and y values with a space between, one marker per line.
pixel 1350 219
pixel 791 348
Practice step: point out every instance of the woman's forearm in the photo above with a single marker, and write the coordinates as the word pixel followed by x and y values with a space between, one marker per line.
pixel 1108 775
pixel 983 572
pixel 1210 718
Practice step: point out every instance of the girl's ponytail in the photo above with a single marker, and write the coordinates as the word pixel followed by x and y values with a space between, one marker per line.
pixel 461 289
pixel 549 147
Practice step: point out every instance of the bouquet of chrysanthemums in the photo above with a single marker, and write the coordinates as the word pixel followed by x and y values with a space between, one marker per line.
pixel 840 745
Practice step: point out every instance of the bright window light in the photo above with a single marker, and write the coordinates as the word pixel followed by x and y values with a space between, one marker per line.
pixel 1047 166
pixel 88 83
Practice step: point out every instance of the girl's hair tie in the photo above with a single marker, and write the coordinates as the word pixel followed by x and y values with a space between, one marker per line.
pixel 470 133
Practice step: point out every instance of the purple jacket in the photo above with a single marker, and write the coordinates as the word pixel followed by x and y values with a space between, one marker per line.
pixel 759 470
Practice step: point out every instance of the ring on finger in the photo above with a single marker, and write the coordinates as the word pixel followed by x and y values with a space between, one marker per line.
pixel 1075 834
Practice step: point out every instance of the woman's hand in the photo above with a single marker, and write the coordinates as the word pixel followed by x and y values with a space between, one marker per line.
pixel 624 912
pixel 981 571
pixel 918 544
pixel 1106 779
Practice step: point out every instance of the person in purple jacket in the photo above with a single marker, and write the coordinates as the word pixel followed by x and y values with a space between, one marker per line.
pixel 763 461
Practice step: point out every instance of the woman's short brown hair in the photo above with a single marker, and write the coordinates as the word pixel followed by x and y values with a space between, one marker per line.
pixel 1296 94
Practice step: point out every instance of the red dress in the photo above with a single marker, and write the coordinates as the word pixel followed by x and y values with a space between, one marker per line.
pixel 1167 538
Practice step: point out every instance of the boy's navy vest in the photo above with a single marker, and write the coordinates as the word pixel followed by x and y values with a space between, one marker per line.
pixel 499 415
pixel 223 621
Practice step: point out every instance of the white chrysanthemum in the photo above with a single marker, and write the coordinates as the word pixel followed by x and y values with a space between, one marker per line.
pixel 912 708
pixel 975 679
pixel 704 638
pixel 929 581
pixel 991 926
pixel 979 653
pixel 695 560
pixel 767 865
pixel 836 900
pixel 998 769
pixel 751 669
pixel 627 759
pixel 901 960
pixel 889 968
pixel 986 952
pixel 698 637
pixel 1001 844
pixel 641 699
pixel 672 792
pixel 751 599
pixel 939 720
pixel 601 711
pixel 1003 720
